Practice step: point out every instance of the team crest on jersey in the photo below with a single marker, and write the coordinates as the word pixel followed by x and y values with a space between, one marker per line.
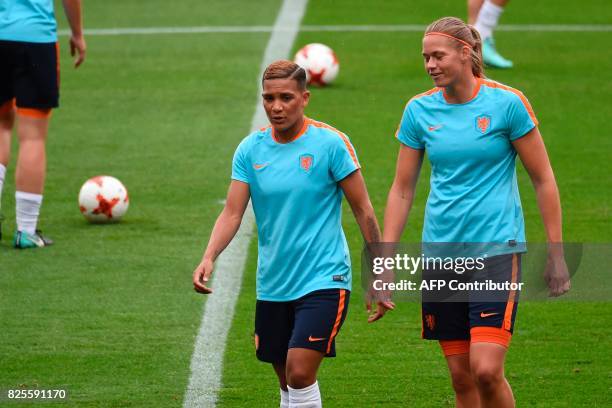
pixel 430 321
pixel 306 162
pixel 483 123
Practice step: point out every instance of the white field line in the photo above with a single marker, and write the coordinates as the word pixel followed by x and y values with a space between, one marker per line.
pixel 287 29
pixel 207 359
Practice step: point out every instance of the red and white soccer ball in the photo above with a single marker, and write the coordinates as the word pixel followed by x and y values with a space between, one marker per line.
pixel 320 63
pixel 103 199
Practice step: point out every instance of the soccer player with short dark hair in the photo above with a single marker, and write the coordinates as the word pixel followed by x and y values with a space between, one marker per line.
pixel 295 172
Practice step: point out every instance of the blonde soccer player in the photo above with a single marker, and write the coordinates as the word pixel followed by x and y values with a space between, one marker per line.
pixel 472 130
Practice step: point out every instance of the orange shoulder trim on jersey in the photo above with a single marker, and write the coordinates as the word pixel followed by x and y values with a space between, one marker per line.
pixel 7 106
pixel 493 84
pixel 426 93
pixel 307 122
pixel 263 129
pixel 344 138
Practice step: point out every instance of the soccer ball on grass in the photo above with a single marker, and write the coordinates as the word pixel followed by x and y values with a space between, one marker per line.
pixel 103 199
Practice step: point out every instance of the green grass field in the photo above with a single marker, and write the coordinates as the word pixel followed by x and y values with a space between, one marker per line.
pixel 109 311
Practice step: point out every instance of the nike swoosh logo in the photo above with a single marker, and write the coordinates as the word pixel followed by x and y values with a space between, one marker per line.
pixel 483 314
pixel 260 166
pixel 310 338
pixel 432 128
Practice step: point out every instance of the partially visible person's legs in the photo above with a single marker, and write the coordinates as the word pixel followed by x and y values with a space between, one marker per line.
pixel 7 113
pixel 273 326
pixel 319 316
pixel 36 88
pixel 488 15
pixel 32 126
pixel 280 369
pixel 457 353
pixel 7 119
pixel 491 332
pixel 484 15
pixel 473 9
pixel 487 365
pixel 301 373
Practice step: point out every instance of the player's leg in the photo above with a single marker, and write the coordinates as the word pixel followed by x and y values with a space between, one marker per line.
pixel 7 121
pixel 32 127
pixel 448 323
pixel 487 364
pixel 457 353
pixel 318 319
pixel 7 118
pixel 7 111
pixel 37 92
pixel 280 368
pixel 302 367
pixel 273 326
pixel 473 9
pixel 486 23
pixel 492 318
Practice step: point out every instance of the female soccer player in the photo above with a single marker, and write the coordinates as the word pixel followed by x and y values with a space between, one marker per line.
pixel 29 90
pixel 472 129
pixel 295 172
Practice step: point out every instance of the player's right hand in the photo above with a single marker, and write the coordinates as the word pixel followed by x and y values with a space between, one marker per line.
pixel 201 275
pixel 78 46
pixel 556 275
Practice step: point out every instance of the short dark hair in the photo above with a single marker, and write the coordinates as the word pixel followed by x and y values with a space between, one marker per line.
pixel 285 69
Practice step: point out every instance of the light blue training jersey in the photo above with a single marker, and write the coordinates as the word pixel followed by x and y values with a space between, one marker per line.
pixel 297 203
pixel 28 21
pixel 474 195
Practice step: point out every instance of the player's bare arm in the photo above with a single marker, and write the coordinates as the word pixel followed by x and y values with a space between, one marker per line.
pixel 357 196
pixel 78 47
pixel 532 152
pixel 225 229
pixel 401 194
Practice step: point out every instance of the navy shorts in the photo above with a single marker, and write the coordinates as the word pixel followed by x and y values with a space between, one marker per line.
pixel 312 322
pixel 29 73
pixel 477 320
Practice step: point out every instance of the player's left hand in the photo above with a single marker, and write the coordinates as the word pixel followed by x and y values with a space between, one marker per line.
pixel 556 275
pixel 78 46
pixel 381 309
pixel 382 298
pixel 201 275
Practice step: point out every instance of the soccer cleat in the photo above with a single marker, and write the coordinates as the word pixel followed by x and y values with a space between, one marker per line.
pixel 491 57
pixel 24 240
